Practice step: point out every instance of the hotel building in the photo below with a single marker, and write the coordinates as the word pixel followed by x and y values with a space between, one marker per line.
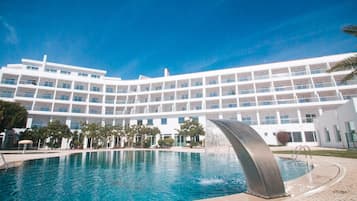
pixel 274 97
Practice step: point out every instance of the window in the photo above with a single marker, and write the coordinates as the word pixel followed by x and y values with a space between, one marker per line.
pixel 11 81
pixel 297 137
pixel 95 76
pixel 139 122
pixel 83 74
pixel 76 110
pixel 337 133
pixel 62 109
pixel 95 88
pixel 44 109
pixel 163 121
pixel 66 85
pixel 51 70
pixel 183 85
pixel 64 97
pixel 284 119
pixel 310 117
pixel 78 98
pixel 194 119
pixel 310 136
pixel 79 87
pixel 181 120
pixel 48 84
pixel 109 90
pixel 94 100
pixel 45 96
pixel 65 72
pixel 269 120
pixel 247 120
pixel 327 135
pixel 150 122
pixel 75 125
pixel 32 67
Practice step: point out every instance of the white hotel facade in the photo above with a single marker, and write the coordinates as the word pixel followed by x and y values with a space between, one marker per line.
pixel 284 96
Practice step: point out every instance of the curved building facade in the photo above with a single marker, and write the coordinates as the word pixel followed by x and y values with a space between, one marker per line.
pixel 274 97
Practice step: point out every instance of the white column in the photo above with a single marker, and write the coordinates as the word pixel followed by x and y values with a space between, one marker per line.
pixel 29 123
pixel 68 123
pixel 112 142
pixel 278 117
pixel 258 118
pixel 299 116
pixel 239 116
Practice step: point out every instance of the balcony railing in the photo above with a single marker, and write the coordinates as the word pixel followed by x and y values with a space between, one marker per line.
pixel 323 84
pixel 247 104
pixel 277 75
pixel 298 73
pixel 289 120
pixel 329 98
pixel 246 91
pixel 283 88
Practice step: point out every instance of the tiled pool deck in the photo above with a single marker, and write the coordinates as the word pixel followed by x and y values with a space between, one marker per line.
pixel 331 179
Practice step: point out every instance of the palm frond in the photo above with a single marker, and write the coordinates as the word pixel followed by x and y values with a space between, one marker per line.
pixel 348 63
pixel 349 76
pixel 351 29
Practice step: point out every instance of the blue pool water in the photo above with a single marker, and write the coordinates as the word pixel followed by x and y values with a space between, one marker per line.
pixel 130 175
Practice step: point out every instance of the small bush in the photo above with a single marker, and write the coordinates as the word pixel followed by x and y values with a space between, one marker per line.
pixel 166 142
pixel 283 137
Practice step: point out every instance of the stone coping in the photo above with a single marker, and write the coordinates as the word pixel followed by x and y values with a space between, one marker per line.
pixel 331 178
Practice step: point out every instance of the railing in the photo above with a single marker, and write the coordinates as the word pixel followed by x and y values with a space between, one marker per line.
pixel 323 84
pixel 3 159
pixel 298 73
pixel 306 151
pixel 274 75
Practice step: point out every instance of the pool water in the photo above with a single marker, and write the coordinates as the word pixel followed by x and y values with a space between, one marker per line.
pixel 130 175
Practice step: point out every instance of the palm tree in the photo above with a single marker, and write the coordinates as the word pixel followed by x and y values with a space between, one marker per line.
pixel 350 62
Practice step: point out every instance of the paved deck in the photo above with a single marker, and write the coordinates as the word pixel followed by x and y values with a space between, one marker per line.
pixel 331 179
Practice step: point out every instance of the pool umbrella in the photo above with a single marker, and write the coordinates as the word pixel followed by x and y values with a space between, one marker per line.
pixel 25 143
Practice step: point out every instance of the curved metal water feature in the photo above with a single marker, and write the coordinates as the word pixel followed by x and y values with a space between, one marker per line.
pixel 259 165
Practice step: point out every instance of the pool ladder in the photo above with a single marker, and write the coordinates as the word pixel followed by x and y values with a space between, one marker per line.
pixel 306 150
pixel 3 159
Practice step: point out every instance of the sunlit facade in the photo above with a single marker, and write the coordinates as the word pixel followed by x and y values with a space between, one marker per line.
pixel 284 96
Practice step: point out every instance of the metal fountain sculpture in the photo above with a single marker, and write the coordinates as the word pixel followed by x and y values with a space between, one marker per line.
pixel 259 165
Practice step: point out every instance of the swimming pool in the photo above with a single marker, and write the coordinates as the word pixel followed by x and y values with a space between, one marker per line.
pixel 130 175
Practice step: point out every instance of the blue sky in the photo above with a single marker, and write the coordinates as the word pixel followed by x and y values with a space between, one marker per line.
pixel 129 38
